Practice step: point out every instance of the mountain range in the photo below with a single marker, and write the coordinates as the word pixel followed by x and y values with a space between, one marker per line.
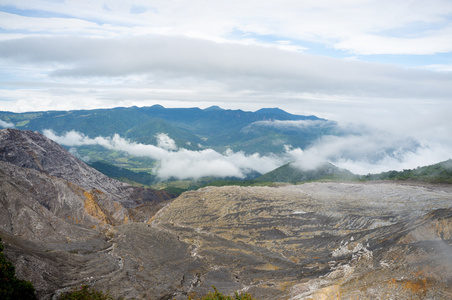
pixel 191 128
pixel 64 224
pixel 268 131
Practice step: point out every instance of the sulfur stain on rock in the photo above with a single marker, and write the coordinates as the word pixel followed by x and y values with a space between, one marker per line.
pixel 93 209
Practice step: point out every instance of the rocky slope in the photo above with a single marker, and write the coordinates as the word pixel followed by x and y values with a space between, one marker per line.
pixel 64 224
pixel 321 240
pixel 32 150
pixel 51 201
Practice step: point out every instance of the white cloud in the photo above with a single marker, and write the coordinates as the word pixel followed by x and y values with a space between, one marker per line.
pixel 176 62
pixel 373 152
pixel 181 164
pixel 49 26
pixel 6 124
pixel 83 54
pixel 165 142
pixel 362 151
pixel 439 68
pixel 329 22
pixel 374 44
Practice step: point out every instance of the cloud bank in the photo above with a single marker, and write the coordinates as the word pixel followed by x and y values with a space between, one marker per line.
pixel 177 163
pixel 363 149
pixel 4 124
pixel 360 151
pixel 372 153
pixel 181 62
pixel 380 62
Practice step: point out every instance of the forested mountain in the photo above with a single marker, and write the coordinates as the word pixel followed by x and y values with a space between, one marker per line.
pixel 191 128
pixel 293 174
pixel 264 132
pixel 436 173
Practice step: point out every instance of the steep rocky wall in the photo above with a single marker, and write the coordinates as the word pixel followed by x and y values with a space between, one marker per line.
pixel 32 150
pixel 37 207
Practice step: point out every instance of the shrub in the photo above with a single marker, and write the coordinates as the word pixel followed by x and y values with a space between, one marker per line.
pixel 12 288
pixel 219 296
pixel 85 293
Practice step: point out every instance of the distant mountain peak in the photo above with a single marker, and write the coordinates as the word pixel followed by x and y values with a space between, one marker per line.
pixel 157 106
pixel 213 107
pixel 274 110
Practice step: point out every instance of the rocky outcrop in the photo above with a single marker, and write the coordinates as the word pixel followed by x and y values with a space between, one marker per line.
pixel 32 150
pixel 105 199
pixel 53 206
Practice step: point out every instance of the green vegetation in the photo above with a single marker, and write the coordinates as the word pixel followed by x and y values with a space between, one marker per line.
pixel 190 128
pixel 123 174
pixel 116 158
pixel 437 173
pixel 12 288
pixel 292 174
pixel 219 296
pixel 85 293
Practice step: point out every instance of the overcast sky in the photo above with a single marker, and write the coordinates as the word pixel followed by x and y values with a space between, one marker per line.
pixel 383 63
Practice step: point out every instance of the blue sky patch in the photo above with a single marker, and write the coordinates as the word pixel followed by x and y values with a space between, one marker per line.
pixel 32 13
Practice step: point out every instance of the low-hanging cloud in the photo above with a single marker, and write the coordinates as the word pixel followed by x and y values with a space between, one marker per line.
pixel 165 142
pixel 373 152
pixel 4 124
pixel 177 163
pixel 298 126
pixel 362 151
pixel 359 148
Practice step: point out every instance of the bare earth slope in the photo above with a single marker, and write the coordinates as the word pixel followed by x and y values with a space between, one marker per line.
pixel 64 224
pixel 52 206
pixel 321 240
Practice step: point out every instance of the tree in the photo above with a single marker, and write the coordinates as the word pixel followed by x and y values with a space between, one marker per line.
pixel 12 288
pixel 85 293
pixel 219 296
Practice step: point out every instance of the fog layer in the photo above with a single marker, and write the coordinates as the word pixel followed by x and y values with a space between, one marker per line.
pixel 372 152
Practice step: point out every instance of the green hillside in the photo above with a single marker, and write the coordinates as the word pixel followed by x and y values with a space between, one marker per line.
pixel 123 174
pixel 293 174
pixel 437 173
pixel 266 131
pixel 191 128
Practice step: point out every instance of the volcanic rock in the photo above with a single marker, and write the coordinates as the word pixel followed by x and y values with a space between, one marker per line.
pixel 64 224
pixel 322 240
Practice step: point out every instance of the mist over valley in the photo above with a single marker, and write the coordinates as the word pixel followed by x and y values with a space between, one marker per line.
pixel 193 143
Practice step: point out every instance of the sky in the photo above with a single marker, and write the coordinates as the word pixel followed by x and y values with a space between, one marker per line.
pixel 383 64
